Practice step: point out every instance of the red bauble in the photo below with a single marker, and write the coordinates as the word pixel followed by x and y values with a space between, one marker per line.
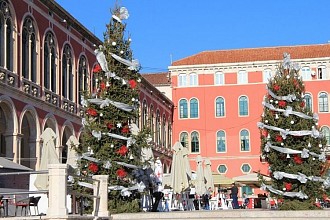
pixel 102 86
pixel 121 173
pixel 122 150
pixel 132 83
pixel 91 112
pixel 97 68
pixel 297 159
pixel 288 186
pixel 278 138
pixel 109 125
pixel 264 133
pixel 125 129
pixel 276 87
pixel 302 104
pixel 282 103
pixel 93 167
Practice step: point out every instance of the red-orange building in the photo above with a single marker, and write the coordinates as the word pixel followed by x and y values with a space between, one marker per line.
pixel 218 95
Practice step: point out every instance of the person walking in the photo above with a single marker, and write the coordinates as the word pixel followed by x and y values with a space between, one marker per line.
pixel 234 193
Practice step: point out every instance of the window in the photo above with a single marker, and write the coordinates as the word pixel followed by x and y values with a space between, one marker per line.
pixel 247 190
pixel 305 73
pixel 144 114
pixel 158 134
pixel 219 78
pixel 82 75
pixel 321 72
pixel 152 123
pixel 50 80
pixel 326 132
pixel 221 141
pixel 182 80
pixel 6 36
pixel 220 107
pixel 323 102
pixel 193 108
pixel 245 140
pixel 266 75
pixel 67 73
pixel 169 136
pixel 184 139
pixel 183 108
pixel 243 106
pixel 164 132
pixel 242 77
pixel 193 79
pixel 308 102
pixel 246 168
pixel 222 168
pixel 29 50
pixel 194 142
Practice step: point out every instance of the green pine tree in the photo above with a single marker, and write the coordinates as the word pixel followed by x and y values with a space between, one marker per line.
pixel 288 124
pixel 111 111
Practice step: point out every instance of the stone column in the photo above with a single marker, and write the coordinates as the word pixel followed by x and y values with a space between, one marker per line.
pixel 102 192
pixel 16 143
pixel 57 191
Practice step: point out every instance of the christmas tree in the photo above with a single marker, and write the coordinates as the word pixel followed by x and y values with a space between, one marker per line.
pixel 112 143
pixel 291 141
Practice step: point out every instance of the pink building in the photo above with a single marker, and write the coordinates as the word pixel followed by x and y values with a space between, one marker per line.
pixel 218 95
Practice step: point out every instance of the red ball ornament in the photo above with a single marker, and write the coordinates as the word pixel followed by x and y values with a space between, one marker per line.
pixel 91 112
pixel 278 138
pixel 282 103
pixel 122 150
pixel 132 83
pixel 93 167
pixel 102 86
pixel 121 173
pixel 97 68
pixel 276 87
pixel 288 186
pixel 125 129
pixel 297 159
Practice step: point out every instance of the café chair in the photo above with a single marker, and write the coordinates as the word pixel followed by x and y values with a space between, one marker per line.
pixel 34 203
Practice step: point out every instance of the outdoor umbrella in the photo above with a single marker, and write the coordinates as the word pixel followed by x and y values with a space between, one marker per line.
pixel 185 153
pixel 208 174
pixel 48 156
pixel 200 179
pixel 179 177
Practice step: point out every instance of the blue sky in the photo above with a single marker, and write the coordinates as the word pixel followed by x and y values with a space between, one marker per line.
pixel 167 30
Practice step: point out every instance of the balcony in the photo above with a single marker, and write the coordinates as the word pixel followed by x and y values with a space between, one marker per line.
pixel 31 88
pixel 8 77
pixel 51 98
pixel 69 106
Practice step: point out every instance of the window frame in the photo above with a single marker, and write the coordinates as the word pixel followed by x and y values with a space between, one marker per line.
pixel 183 109
pixel 219 78
pixel 220 110
pixel 244 137
pixel 193 108
pixel 194 142
pixel 222 139
pixel 242 77
pixel 323 102
pixel 243 106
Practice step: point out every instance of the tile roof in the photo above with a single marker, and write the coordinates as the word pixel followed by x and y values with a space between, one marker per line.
pixel 157 79
pixel 255 54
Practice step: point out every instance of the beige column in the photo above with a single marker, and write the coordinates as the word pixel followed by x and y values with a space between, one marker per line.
pixel 57 191
pixel 16 143
pixel 102 192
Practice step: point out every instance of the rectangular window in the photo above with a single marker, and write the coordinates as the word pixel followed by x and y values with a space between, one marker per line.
pixel 219 78
pixel 242 77
pixel 193 80
pixel 321 72
pixel 305 73
pixel 182 80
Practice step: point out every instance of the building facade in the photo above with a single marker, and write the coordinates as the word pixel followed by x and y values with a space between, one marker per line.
pixel 46 61
pixel 218 101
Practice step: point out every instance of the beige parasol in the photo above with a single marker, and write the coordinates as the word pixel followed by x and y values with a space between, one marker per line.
pixel 179 177
pixel 208 174
pixel 48 156
pixel 200 179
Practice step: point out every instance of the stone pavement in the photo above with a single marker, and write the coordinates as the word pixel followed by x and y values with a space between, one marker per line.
pixel 250 214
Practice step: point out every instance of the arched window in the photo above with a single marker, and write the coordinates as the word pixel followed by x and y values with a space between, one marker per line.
pixel 220 107
pixel 164 138
pixel 152 122
pixel 67 73
pixel 50 80
pixel 323 102
pixel 326 132
pixel 158 132
pixel 193 108
pixel 29 53
pixel 183 108
pixel 245 140
pixel 82 75
pixel 219 78
pixel 194 142
pixel 243 106
pixel 184 139
pixel 144 114
pixel 6 36
pixel 221 141
pixel 308 102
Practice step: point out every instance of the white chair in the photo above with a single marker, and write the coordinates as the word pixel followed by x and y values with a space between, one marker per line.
pixel 230 203
pixel 214 201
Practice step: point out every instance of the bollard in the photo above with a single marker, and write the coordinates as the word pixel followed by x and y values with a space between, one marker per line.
pixel 101 204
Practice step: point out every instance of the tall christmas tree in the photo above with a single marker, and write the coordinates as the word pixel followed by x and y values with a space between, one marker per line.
pixel 291 141
pixel 112 143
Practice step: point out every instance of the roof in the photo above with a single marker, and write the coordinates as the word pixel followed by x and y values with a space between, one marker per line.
pixel 157 79
pixel 8 164
pixel 255 54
